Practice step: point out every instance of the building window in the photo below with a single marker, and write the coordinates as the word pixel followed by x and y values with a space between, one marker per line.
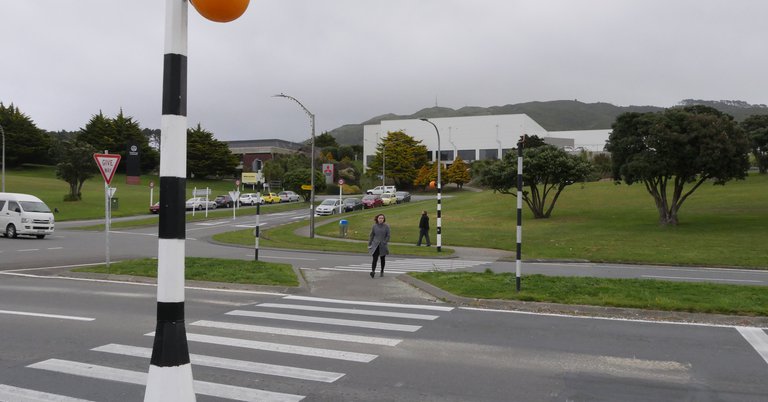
pixel 446 156
pixel 505 150
pixel 489 154
pixel 467 154
pixel 368 160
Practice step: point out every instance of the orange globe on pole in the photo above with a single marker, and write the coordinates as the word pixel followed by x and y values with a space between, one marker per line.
pixel 432 184
pixel 220 10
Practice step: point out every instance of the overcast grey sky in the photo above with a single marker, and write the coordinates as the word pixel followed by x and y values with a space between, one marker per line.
pixel 61 61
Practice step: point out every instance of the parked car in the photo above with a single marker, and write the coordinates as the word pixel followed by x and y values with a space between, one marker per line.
pixel 154 209
pixel 381 190
pixel 329 206
pixel 352 204
pixel 388 199
pixel 288 196
pixel 224 201
pixel 199 203
pixel 250 199
pixel 371 201
pixel 271 198
pixel 403 196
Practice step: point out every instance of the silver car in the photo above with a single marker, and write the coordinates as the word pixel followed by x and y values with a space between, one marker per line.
pixel 288 196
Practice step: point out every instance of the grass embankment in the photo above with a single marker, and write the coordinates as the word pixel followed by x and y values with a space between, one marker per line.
pixel 208 269
pixel 631 293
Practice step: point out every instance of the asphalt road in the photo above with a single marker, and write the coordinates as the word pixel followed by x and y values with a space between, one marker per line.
pixel 86 340
pixel 346 337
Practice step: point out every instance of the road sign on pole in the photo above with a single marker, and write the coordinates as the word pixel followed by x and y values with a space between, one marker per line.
pixel 107 164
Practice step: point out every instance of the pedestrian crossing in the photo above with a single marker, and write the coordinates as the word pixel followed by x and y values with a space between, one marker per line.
pixel 401 266
pixel 289 347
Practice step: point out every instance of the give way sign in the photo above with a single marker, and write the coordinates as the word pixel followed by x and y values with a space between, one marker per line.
pixel 107 165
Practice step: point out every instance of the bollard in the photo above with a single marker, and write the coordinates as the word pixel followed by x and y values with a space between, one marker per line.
pixel 343 226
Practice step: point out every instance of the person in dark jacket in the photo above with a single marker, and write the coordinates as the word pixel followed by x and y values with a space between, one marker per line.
pixel 424 228
pixel 378 243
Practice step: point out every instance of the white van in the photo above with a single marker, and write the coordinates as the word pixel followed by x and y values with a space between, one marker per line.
pixel 24 214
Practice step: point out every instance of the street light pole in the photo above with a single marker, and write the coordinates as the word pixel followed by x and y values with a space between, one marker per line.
pixel 439 188
pixel 312 173
pixel 3 133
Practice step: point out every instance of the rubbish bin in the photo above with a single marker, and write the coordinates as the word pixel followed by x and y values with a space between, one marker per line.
pixel 343 225
pixel 115 203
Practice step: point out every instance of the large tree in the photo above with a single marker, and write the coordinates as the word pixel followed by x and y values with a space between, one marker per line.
pixel 675 151
pixel 114 135
pixel 24 142
pixel 206 156
pixel 75 165
pixel 401 156
pixel 547 171
pixel 756 128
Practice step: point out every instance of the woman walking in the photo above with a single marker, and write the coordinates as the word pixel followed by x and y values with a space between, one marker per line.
pixel 378 243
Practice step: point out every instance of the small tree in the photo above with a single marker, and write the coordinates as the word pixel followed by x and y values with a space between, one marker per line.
pixel 547 171
pixel 756 128
pixel 76 165
pixel 458 173
pixel 674 152
pixel 402 155
pixel 207 156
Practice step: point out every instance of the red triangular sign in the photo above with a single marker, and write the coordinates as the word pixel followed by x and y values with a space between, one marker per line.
pixel 107 165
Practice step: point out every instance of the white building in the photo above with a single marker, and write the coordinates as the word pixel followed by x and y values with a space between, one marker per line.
pixel 473 137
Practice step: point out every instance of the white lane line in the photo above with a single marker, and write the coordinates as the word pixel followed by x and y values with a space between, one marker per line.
pixel 133 233
pixel 231 364
pixel 28 249
pixel 16 394
pixel 370 340
pixel 757 338
pixel 55 248
pixel 139 378
pixel 280 348
pixel 329 321
pixel 699 279
pixel 367 303
pixel 357 270
pixel 61 317
pixel 290 258
pixel 375 313
pixel 55 267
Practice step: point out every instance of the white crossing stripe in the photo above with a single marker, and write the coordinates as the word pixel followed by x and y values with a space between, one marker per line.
pixel 417 265
pixel 61 317
pixel 757 338
pixel 281 348
pixel 350 311
pixel 370 340
pixel 140 378
pixel 330 321
pixel 367 303
pixel 231 364
pixel 15 394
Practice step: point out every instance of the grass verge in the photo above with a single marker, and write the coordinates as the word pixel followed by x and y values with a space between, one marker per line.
pixel 209 269
pixel 629 293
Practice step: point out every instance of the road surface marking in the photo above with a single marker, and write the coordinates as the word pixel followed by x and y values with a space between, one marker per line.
pixel 329 321
pixel 140 378
pixel 231 364
pixel 699 279
pixel 55 248
pixel 62 317
pixel 367 303
pixel 351 311
pixel 280 348
pixel 757 338
pixel 370 340
pixel 389 271
pixel 9 393
pixel 28 249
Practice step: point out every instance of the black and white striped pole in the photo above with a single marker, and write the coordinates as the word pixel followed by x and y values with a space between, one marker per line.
pixel 256 230
pixel 519 253
pixel 170 372
pixel 439 189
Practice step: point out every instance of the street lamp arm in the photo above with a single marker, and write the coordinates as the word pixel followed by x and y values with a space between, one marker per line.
pixel 295 100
